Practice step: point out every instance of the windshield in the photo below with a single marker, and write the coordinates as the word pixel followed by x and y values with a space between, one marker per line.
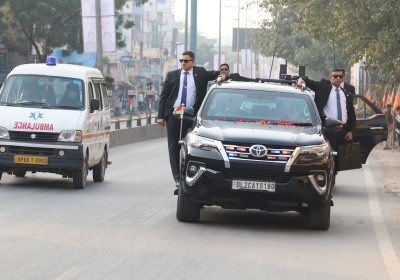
pixel 259 106
pixel 44 91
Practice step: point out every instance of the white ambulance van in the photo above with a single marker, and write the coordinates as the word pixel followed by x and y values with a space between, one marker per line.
pixel 54 118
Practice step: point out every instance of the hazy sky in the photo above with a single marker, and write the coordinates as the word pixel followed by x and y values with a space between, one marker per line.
pixel 208 17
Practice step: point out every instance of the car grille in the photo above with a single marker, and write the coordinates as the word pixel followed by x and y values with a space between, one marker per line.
pixel 33 136
pixel 244 152
pixel 16 150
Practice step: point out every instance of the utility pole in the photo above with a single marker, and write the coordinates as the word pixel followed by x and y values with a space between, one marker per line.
pixel 193 27
pixel 99 41
pixel 219 36
pixel 186 24
pixel 237 39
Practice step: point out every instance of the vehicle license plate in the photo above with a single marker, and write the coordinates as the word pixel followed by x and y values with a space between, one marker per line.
pixel 253 185
pixel 31 160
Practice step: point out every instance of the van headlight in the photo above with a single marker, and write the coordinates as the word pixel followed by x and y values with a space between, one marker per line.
pixel 4 133
pixel 70 136
pixel 314 152
pixel 199 142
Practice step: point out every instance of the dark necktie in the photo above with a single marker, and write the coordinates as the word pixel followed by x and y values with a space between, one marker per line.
pixel 184 89
pixel 339 107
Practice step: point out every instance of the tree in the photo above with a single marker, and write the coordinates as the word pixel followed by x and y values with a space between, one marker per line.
pixel 353 29
pixel 287 39
pixel 48 24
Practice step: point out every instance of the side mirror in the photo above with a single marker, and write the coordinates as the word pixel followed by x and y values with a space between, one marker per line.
pixel 94 105
pixel 333 125
pixel 187 114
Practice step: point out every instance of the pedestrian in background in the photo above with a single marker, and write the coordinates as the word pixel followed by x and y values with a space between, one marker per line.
pixel 186 86
pixel 224 67
pixel 396 125
pixel 389 121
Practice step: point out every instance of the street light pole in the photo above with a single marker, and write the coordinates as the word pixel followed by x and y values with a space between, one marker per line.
pixel 219 36
pixel 237 38
pixel 186 24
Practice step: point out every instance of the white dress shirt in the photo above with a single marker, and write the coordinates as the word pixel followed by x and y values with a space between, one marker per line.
pixel 330 109
pixel 191 90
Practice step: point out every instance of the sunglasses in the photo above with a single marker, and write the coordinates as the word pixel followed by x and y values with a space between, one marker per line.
pixel 338 76
pixel 224 69
pixel 185 60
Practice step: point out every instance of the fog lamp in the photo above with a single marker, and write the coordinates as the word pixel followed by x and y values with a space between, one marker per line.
pixel 320 177
pixel 2 149
pixel 61 153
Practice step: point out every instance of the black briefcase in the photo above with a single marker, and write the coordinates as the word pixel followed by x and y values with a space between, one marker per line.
pixel 349 156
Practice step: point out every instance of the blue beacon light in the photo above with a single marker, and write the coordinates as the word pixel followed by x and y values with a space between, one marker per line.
pixel 51 60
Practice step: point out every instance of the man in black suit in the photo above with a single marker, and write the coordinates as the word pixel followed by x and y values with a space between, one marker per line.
pixel 187 86
pixel 335 103
pixel 224 67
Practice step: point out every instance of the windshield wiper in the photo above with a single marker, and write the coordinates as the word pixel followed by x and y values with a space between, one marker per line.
pixel 27 103
pixel 68 107
pixel 301 124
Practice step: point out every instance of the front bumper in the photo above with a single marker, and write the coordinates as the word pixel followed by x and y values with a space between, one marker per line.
pixel 60 156
pixel 208 180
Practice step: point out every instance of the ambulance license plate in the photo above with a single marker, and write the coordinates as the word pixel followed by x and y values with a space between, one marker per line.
pixel 37 160
pixel 253 185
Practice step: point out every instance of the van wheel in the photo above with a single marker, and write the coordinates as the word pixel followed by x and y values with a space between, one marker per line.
pixel 99 170
pixel 20 173
pixel 187 210
pixel 319 215
pixel 79 176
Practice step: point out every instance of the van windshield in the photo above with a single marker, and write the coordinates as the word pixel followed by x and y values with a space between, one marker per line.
pixel 44 91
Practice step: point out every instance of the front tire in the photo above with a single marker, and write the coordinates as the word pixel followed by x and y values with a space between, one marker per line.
pixel 187 210
pixel 99 170
pixel 79 176
pixel 319 215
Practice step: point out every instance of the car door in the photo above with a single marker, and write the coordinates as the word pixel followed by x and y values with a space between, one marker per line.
pixel 371 127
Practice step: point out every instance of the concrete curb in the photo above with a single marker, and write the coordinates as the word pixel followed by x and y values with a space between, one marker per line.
pixel 136 134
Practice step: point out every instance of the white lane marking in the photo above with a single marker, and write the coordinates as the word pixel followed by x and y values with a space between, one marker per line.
pixel 385 244
pixel 69 274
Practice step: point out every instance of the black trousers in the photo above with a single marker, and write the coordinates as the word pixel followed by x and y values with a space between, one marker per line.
pixel 335 139
pixel 173 132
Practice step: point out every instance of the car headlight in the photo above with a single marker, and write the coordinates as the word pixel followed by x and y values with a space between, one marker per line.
pixel 4 133
pixel 70 136
pixel 199 142
pixel 315 152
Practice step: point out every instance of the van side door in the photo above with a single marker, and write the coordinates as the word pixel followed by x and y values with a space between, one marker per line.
pixel 93 121
pixel 103 116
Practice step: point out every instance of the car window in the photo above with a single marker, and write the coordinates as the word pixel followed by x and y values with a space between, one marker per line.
pixel 257 105
pixel 23 90
pixel 362 109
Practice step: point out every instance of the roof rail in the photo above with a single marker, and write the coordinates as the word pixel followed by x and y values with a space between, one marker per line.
pixel 281 81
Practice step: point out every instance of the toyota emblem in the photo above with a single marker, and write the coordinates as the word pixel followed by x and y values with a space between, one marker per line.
pixel 258 151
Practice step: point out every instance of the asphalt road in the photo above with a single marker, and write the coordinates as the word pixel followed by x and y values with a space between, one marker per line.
pixel 125 228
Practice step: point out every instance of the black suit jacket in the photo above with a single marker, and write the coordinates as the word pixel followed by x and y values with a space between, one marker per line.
pixel 322 90
pixel 170 89
pixel 237 77
pixel 349 88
